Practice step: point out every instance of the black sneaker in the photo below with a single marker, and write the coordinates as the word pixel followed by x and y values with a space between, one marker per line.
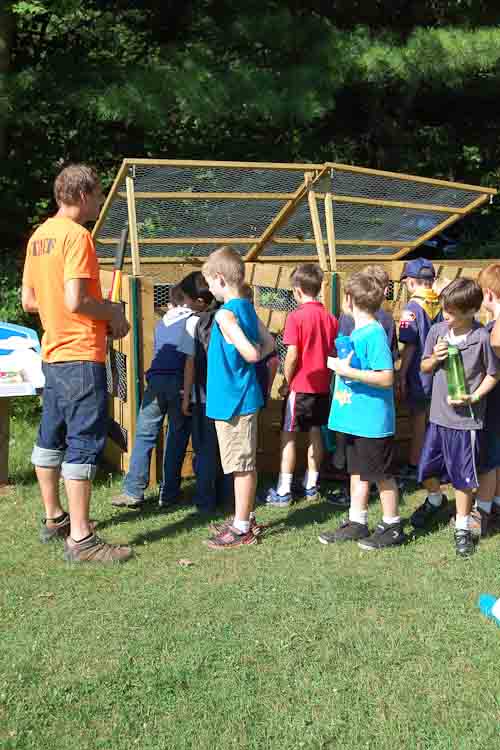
pixel 348 531
pixel 385 535
pixel 339 499
pixel 464 542
pixel 427 514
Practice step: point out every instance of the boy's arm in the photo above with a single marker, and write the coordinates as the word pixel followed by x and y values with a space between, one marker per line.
pixel 495 337
pixel 377 378
pixel 439 355
pixel 482 390
pixel 266 339
pixel 290 363
pixel 188 385
pixel 234 335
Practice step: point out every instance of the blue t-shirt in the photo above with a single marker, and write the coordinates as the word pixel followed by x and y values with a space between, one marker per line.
pixel 232 385
pixel 359 409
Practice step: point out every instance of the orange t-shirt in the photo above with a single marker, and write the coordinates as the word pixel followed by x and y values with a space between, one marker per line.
pixel 60 250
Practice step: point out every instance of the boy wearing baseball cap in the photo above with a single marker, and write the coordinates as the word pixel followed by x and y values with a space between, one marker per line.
pixel 419 314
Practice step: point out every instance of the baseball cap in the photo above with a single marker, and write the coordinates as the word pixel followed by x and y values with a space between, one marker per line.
pixel 419 268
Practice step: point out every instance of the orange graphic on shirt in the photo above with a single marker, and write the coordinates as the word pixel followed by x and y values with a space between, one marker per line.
pixel 60 250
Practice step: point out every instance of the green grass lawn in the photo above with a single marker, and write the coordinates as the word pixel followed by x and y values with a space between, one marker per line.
pixel 285 644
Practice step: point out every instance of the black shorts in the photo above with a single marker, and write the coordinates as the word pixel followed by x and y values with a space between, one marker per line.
pixel 301 411
pixel 371 458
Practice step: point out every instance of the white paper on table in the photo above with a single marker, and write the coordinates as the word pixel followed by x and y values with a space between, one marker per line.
pixel 28 363
pixel 16 343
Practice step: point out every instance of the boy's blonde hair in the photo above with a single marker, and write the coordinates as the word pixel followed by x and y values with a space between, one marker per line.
pixel 489 278
pixel 307 277
pixel 379 273
pixel 365 291
pixel 228 262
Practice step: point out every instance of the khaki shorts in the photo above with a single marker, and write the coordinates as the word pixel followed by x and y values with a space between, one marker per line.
pixel 238 443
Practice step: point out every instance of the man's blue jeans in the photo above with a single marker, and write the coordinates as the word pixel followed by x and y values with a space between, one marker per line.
pixel 212 486
pixel 161 398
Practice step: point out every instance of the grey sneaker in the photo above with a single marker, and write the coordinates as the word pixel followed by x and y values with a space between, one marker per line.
pixel 348 531
pixel 127 501
pixel 59 530
pixel 97 550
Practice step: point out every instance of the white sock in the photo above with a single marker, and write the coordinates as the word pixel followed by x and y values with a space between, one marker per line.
pixel 496 500
pixel 243 526
pixel 310 479
pixel 435 498
pixel 390 520
pixel 284 484
pixel 358 516
pixel 484 505
pixel 462 522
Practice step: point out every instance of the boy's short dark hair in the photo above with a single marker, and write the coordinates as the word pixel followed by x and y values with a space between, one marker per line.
pixel 194 286
pixel 176 295
pixel 365 290
pixel 308 277
pixel 463 294
pixel 74 180
pixel 489 278
pixel 379 273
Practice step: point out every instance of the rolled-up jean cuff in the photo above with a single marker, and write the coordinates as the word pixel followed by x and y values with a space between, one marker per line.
pixel 78 471
pixel 46 458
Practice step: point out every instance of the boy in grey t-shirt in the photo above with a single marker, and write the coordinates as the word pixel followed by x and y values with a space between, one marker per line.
pixel 451 447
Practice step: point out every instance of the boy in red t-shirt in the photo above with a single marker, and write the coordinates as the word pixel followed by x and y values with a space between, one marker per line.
pixel 309 333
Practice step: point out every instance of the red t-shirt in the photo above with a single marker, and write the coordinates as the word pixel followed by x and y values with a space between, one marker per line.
pixel 312 330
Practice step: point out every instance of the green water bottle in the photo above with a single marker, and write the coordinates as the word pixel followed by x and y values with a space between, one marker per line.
pixel 455 374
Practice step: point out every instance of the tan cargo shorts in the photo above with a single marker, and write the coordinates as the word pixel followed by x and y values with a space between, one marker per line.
pixel 238 443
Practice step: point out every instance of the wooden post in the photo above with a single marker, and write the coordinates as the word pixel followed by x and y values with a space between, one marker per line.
pixel 330 231
pixel 4 442
pixel 318 235
pixel 132 224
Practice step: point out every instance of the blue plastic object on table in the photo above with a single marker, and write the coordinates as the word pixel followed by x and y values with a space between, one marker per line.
pixel 9 330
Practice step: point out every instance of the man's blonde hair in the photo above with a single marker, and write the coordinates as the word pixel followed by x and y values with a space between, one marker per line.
pixel 365 291
pixel 228 262
pixel 73 181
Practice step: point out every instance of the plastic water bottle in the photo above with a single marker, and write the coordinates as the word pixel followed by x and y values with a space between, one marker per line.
pixel 490 607
pixel 455 374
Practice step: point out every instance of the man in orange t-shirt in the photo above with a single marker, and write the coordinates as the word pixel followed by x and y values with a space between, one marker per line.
pixel 61 284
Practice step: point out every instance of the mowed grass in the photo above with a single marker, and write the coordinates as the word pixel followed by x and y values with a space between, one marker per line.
pixel 285 644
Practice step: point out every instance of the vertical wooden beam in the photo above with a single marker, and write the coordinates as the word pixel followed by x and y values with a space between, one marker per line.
pixel 330 231
pixel 318 235
pixel 4 441
pixel 132 223
pixel 104 210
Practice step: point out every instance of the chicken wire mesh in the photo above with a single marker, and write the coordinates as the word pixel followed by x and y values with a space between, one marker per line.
pixel 187 209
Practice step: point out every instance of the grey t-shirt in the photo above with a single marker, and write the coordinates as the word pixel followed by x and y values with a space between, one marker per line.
pixel 479 360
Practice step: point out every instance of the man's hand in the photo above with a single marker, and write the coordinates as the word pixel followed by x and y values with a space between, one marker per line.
pixel 118 325
pixel 186 405
pixel 284 389
pixel 342 367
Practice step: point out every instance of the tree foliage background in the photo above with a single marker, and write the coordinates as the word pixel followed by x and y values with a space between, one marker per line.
pixel 384 83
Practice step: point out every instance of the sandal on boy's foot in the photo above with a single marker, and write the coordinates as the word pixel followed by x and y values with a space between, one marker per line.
pixel 278 501
pixel 59 529
pixel 385 535
pixel 95 549
pixel 348 531
pixel 231 537
pixel 427 514
pixel 464 542
pixel 127 501
pixel 219 526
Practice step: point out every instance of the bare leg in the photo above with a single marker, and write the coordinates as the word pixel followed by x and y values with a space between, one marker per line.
pixel 78 492
pixel 245 484
pixel 487 486
pixel 48 481
pixel 463 500
pixel 418 426
pixel 389 497
pixel 359 493
pixel 288 452
pixel 315 451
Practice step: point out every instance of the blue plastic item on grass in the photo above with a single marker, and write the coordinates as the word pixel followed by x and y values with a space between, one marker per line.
pixel 490 607
pixel 10 330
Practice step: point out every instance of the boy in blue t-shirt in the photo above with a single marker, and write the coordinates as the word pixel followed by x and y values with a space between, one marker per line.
pixel 238 340
pixel 363 409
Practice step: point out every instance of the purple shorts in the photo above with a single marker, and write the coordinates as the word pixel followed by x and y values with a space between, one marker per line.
pixel 450 456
